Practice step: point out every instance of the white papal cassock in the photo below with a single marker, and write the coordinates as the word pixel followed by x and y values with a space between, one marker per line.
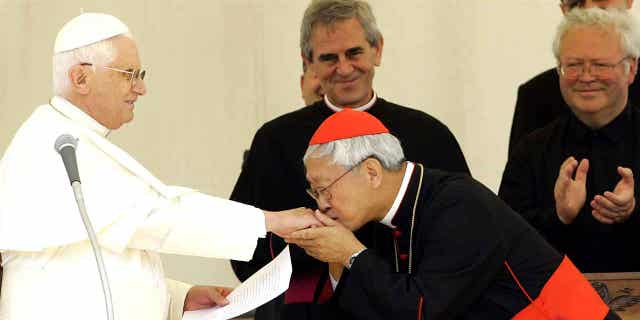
pixel 49 268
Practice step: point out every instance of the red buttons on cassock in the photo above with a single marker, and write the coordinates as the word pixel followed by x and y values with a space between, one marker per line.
pixel 397 234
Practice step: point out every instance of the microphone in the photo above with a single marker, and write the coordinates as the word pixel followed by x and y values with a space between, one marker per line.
pixel 66 146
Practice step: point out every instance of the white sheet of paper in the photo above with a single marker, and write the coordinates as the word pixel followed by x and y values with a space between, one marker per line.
pixel 263 286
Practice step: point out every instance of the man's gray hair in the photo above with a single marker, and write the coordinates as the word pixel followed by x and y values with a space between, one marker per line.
pixel 349 152
pixel 572 3
pixel 622 22
pixel 328 12
pixel 98 54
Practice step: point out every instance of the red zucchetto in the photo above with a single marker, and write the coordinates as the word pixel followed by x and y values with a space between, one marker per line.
pixel 347 123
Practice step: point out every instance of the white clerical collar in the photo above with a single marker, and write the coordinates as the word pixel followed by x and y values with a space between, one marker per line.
pixel 361 108
pixel 74 113
pixel 396 203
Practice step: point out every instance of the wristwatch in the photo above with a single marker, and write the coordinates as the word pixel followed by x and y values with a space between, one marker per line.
pixel 352 259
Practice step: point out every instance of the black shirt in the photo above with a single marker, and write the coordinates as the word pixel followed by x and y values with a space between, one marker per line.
pixel 529 179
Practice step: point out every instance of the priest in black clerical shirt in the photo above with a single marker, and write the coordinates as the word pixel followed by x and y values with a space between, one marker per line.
pixel 574 180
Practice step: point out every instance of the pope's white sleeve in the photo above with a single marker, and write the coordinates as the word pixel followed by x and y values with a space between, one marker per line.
pixel 178 292
pixel 201 225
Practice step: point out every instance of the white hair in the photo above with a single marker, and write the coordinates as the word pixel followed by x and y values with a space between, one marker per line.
pixel 622 22
pixel 98 54
pixel 349 152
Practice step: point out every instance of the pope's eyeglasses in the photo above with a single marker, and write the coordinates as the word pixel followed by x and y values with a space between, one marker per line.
pixel 133 74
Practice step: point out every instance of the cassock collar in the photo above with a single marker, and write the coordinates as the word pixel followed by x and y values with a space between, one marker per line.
pixel 361 108
pixel 78 116
pixel 402 219
pixel 396 203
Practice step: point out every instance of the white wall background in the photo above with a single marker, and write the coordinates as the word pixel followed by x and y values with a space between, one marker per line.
pixel 218 69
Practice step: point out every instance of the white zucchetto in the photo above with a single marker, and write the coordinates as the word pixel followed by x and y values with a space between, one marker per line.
pixel 86 29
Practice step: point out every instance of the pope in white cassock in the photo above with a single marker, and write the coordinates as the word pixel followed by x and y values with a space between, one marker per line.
pixel 49 268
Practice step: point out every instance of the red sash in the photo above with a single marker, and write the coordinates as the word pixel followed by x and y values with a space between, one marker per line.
pixel 567 295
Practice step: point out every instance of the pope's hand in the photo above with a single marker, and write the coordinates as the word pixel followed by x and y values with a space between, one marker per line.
pixel 202 297
pixel 285 222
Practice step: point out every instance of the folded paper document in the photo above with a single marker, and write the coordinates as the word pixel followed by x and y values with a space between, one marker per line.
pixel 266 284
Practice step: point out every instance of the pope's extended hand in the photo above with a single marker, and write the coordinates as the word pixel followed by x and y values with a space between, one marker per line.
pixel 202 297
pixel 285 222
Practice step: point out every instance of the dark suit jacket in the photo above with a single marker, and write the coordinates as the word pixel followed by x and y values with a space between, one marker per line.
pixel 539 102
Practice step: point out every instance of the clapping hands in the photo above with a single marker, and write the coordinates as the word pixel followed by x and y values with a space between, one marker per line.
pixel 570 194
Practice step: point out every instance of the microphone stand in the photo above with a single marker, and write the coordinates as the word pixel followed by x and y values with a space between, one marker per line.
pixel 77 192
pixel 65 145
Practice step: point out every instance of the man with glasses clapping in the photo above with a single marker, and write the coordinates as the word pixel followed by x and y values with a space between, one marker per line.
pixel 574 179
